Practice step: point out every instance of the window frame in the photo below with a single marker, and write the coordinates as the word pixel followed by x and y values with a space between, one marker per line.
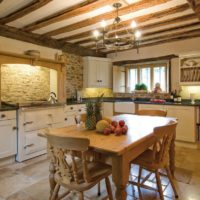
pixel 152 65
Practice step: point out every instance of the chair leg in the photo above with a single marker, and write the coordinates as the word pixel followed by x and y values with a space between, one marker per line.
pixel 108 187
pixel 81 197
pixel 55 192
pixel 99 189
pixel 171 181
pixel 159 185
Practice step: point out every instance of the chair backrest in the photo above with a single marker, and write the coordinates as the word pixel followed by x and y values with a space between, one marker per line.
pixel 160 113
pixel 65 153
pixel 163 138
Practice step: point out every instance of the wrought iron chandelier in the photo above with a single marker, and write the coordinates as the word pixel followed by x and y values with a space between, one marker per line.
pixel 110 39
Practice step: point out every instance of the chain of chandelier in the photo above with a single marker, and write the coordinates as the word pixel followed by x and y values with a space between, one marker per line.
pixel 109 38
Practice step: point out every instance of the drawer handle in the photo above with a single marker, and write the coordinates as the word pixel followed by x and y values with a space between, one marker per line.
pixel 79 110
pixel 28 145
pixel 50 115
pixel 3 116
pixel 14 128
pixel 71 108
pixel 65 119
pixel 28 123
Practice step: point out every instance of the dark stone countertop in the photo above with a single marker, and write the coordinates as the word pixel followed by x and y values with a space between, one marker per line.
pixel 171 103
pixel 5 107
pixel 137 101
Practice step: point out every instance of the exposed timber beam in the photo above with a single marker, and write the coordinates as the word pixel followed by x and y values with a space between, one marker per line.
pixel 71 12
pixel 106 16
pixel 195 5
pixel 144 18
pixel 17 34
pixel 177 28
pixel 36 4
pixel 167 39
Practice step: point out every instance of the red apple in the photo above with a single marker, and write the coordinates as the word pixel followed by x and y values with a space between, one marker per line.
pixel 112 128
pixel 107 131
pixel 121 123
pixel 124 129
pixel 118 131
pixel 114 123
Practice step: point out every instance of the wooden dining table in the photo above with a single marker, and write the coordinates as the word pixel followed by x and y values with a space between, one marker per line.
pixel 121 149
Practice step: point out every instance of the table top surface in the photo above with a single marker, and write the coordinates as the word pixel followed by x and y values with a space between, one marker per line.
pixel 140 128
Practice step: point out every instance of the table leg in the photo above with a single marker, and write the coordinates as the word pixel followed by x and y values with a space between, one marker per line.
pixel 120 174
pixel 172 155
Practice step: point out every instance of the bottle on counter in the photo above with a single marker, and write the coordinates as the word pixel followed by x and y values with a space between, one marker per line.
pixel 172 95
pixel 175 96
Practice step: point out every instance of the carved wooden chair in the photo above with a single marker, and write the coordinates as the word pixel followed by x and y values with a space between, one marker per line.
pixel 157 159
pixel 160 113
pixel 75 172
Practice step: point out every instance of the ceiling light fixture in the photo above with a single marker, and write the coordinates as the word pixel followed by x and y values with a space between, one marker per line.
pixel 110 39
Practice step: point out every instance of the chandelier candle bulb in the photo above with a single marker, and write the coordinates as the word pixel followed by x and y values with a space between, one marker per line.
pixel 103 24
pixel 133 24
pixel 138 34
pixel 96 34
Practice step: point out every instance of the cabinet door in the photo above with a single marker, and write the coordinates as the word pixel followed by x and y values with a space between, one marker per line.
pixel 105 74
pixel 35 119
pixel 151 107
pixel 186 128
pixel 92 76
pixel 8 138
pixel 124 107
pixel 34 143
pixel 108 109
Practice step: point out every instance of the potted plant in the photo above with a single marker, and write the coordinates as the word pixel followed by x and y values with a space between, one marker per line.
pixel 140 88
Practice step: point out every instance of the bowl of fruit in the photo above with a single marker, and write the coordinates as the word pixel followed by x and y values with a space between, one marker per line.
pixel 108 127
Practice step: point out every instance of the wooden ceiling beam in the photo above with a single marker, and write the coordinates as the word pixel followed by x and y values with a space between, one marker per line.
pixel 34 5
pixel 106 16
pixel 73 11
pixel 195 5
pixel 145 18
pixel 170 35
pixel 14 33
pixel 179 38
pixel 177 28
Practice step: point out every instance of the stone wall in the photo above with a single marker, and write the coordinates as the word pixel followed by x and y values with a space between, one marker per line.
pixel 74 76
pixel 22 83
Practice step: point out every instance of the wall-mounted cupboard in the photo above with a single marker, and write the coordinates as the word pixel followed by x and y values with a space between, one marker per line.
pixel 97 72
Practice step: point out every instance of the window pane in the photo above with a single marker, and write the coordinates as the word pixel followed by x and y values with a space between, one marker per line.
pixel 160 77
pixel 133 79
pixel 145 77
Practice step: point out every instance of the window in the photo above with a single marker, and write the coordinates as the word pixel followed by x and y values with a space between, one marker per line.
pixel 133 78
pixel 149 74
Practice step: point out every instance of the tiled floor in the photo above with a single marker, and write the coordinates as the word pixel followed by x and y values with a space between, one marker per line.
pixel 29 180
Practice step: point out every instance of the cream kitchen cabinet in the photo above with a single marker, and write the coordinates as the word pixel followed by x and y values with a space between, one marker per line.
pixel 97 72
pixel 72 111
pixel 124 107
pixel 30 121
pixel 186 129
pixel 108 109
pixel 8 134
